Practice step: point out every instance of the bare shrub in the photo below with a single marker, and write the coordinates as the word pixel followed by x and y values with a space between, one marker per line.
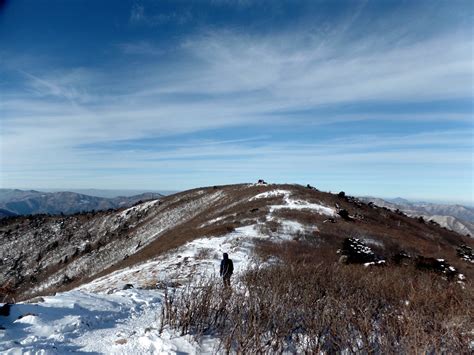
pixel 203 253
pixel 307 303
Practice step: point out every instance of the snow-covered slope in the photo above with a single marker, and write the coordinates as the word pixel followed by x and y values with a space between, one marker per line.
pixel 125 322
pixel 40 253
pixel 118 313
pixel 111 268
pixel 452 223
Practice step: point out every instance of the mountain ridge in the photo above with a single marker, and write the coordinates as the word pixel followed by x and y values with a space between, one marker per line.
pixel 41 253
pixel 461 217
pixel 28 202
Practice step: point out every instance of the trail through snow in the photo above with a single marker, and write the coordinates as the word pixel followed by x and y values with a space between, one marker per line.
pixel 107 317
pixel 125 322
pixel 103 318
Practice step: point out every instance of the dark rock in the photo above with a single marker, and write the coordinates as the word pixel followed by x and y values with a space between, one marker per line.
pixel 53 245
pixel 66 279
pixel 465 253
pixel 127 286
pixel 440 266
pixel 87 248
pixel 356 252
pixel 345 214
pixel 400 257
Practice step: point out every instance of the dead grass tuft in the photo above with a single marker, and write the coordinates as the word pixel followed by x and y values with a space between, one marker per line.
pixel 309 303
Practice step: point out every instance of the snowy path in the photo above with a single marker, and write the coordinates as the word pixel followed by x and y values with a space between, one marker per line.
pixel 125 322
pixel 104 318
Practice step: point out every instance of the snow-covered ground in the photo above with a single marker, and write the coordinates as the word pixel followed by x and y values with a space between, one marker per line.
pixel 195 260
pixel 119 313
pixel 103 317
pixel 294 204
pixel 125 322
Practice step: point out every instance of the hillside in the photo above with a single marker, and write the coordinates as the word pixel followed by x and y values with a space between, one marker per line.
pixel 109 274
pixel 457 218
pixel 42 253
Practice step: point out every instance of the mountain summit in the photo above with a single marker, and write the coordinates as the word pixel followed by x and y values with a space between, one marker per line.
pixel 42 254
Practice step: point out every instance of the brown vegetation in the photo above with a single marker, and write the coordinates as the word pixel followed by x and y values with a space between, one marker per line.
pixel 308 303
pixel 35 249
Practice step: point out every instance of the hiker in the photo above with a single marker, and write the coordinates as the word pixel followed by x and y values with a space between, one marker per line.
pixel 227 268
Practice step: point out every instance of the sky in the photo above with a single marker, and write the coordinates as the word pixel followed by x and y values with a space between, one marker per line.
pixel 370 97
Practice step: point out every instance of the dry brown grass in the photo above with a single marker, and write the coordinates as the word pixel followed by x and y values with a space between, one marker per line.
pixel 7 293
pixel 203 253
pixel 310 304
pixel 392 230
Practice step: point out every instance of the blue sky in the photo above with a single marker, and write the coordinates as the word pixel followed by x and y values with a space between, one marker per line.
pixel 369 97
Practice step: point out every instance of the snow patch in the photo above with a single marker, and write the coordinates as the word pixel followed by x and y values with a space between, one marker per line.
pixel 125 322
pixel 138 208
pixel 289 229
pixel 102 317
pixel 196 259
pixel 270 194
pixel 293 204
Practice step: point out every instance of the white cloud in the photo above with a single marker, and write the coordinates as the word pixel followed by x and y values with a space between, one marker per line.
pixel 238 79
pixel 140 48
pixel 296 72
pixel 140 16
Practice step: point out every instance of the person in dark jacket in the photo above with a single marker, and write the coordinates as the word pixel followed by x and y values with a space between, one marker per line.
pixel 227 269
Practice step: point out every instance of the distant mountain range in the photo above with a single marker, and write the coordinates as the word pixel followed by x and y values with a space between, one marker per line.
pixel 457 218
pixel 26 202
pixel 110 193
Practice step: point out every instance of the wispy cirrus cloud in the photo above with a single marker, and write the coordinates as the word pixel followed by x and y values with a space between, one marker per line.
pixel 140 16
pixel 306 92
pixel 140 48
pixel 319 71
pixel 441 156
